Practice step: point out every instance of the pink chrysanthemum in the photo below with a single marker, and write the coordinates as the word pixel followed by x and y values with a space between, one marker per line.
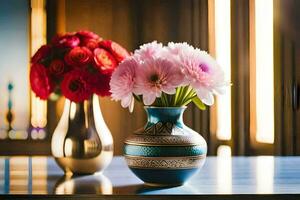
pixel 155 76
pixel 122 83
pixel 173 52
pixel 149 50
pixel 203 73
pixel 178 48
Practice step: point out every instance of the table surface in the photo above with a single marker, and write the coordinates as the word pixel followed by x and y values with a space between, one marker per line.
pixel 219 175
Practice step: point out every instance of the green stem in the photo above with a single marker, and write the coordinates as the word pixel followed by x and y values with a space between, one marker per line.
pixel 188 95
pixel 157 102
pixel 164 99
pixel 138 98
pixel 188 100
pixel 177 94
pixel 182 95
pixel 162 103
pixel 170 99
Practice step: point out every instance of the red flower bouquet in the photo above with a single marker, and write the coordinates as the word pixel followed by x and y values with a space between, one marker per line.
pixel 75 65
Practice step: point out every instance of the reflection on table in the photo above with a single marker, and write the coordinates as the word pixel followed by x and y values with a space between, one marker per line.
pixel 93 184
pixel 220 175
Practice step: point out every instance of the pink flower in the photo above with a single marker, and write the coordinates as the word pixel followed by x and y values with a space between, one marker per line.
pixel 148 50
pixel 154 70
pixel 155 76
pixel 123 81
pixel 203 73
pixel 178 48
pixel 173 51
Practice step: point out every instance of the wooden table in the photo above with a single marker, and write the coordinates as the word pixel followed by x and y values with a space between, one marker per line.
pixel 263 177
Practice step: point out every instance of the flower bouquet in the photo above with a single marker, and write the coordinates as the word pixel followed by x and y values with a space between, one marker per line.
pixel 170 76
pixel 75 65
pixel 165 79
pixel 79 67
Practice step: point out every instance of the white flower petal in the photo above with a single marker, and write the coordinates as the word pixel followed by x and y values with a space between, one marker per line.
pixel 149 98
pixel 158 93
pixel 126 101
pixel 131 106
pixel 220 90
pixel 206 96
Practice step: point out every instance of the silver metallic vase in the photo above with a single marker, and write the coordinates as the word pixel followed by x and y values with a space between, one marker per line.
pixel 82 142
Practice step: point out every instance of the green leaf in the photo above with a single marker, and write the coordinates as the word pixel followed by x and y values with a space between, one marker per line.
pixel 199 103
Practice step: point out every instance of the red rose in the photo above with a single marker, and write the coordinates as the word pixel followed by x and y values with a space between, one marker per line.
pixel 117 50
pixel 66 41
pixel 87 35
pixel 76 85
pixel 41 54
pixel 104 61
pixel 40 81
pixel 101 84
pixel 88 39
pixel 57 67
pixel 78 56
pixel 91 44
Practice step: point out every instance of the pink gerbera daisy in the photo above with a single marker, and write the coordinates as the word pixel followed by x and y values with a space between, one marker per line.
pixel 179 48
pixel 156 76
pixel 122 83
pixel 203 73
pixel 148 50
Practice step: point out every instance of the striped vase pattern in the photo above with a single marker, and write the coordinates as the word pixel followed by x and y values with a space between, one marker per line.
pixel 165 152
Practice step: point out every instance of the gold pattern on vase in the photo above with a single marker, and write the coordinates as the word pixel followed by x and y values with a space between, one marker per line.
pixel 82 143
pixel 161 128
pixel 165 162
pixel 165 152
pixel 163 140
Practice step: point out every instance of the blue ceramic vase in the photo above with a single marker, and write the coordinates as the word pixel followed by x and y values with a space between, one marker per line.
pixel 165 152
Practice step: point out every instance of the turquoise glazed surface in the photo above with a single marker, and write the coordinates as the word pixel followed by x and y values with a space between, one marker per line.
pixel 157 151
pixel 171 114
pixel 164 177
pixel 165 152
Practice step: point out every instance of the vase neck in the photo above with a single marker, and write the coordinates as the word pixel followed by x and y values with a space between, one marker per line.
pixel 81 112
pixel 173 115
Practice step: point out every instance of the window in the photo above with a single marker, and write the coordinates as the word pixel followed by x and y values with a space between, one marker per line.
pixel 262 71
pixel 251 126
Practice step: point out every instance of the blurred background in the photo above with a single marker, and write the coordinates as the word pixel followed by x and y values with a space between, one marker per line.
pixel 256 42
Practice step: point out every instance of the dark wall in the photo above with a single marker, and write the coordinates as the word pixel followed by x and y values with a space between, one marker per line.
pixel 287 77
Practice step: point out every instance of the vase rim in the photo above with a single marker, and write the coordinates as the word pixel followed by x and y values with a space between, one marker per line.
pixel 168 107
